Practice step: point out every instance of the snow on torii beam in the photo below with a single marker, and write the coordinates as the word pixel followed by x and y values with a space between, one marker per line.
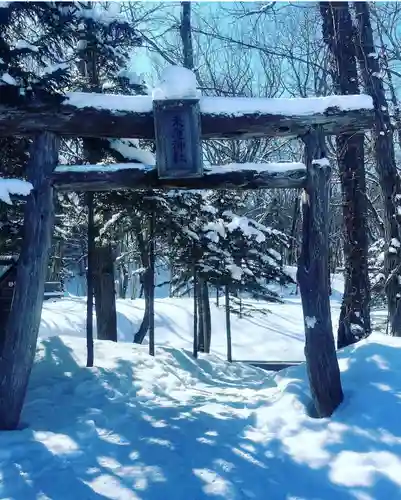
pixel 103 115
pixel 138 176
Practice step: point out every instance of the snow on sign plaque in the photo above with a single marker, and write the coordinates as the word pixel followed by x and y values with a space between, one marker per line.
pixel 178 138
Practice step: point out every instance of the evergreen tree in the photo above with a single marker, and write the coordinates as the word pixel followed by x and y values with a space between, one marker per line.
pixel 227 249
pixel 32 67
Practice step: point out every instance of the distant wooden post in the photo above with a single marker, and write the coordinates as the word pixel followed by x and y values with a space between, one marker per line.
pixel 22 327
pixel 313 278
pixel 178 138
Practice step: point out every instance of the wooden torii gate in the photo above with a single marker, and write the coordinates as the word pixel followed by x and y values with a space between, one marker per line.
pixel 99 115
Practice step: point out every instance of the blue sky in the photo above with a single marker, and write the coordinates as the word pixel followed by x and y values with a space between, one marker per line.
pixel 141 62
pixel 229 26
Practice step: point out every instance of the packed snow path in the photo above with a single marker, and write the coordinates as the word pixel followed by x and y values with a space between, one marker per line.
pixel 142 428
pixel 134 428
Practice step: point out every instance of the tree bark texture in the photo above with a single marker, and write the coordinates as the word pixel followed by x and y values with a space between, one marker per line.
pixel 104 291
pixel 201 323
pixel 146 282
pixel 204 317
pixel 144 328
pixel 124 278
pixel 195 332
pixel 151 246
pixel 313 279
pixel 89 282
pixel 101 255
pixel 354 321
pixel 228 324
pixel 385 161
pixel 207 316
pixel 186 35
pixel 22 327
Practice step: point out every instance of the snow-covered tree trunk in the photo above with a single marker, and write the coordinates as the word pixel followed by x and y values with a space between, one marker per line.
pixel 354 321
pixel 385 161
pixel 386 67
pixel 22 327
pixel 313 278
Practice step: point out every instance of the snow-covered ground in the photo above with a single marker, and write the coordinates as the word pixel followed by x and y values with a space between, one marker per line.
pixel 171 427
pixel 276 335
pixel 143 428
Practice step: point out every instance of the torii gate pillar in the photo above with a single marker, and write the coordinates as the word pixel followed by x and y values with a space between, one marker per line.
pixel 314 279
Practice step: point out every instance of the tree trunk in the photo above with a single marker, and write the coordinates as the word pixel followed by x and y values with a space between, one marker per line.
pixel 195 339
pixel 228 325
pixel 124 282
pixel 186 35
pixel 102 255
pixel 22 327
pixel 355 310
pixel 201 317
pixel 204 317
pixel 146 282
pixel 105 295
pixel 143 329
pixel 89 281
pixel 320 353
pixel 385 162
pixel 389 76
pixel 151 246
pixel 293 235
pixel 207 321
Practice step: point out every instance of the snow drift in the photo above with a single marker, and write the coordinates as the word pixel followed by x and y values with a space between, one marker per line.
pixel 168 427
